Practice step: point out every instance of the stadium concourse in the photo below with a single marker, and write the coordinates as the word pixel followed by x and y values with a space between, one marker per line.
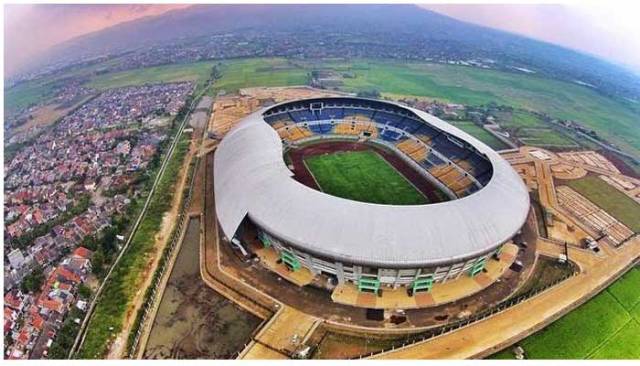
pixel 361 246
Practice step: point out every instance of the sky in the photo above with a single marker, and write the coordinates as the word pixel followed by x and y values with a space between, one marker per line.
pixel 609 31
pixel 30 29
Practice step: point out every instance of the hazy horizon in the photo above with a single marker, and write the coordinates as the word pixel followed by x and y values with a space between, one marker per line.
pixel 32 29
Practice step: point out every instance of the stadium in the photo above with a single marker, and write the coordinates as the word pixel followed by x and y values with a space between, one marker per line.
pixel 367 192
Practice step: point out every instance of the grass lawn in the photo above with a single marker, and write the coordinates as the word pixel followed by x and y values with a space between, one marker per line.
pixel 616 203
pixel 520 119
pixel 627 290
pixel 480 133
pixel 604 327
pixel 362 176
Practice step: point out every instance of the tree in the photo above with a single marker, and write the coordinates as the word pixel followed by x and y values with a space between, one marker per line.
pixel 33 281
pixel 373 93
pixel 84 291
pixel 97 263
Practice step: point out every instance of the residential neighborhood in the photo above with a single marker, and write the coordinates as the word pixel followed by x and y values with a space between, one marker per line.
pixel 62 192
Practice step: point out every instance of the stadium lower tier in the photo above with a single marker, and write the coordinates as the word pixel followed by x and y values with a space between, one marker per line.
pixel 372 278
pixel 461 171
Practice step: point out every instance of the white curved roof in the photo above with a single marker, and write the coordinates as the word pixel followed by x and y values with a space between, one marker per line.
pixel 252 178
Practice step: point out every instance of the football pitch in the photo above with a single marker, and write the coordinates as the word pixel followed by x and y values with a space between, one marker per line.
pixel 362 176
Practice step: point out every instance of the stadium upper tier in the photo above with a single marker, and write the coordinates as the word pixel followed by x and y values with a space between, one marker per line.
pixel 252 179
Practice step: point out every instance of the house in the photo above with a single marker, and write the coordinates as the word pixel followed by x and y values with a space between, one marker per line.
pixel 82 252
pixel 16 258
pixel 15 300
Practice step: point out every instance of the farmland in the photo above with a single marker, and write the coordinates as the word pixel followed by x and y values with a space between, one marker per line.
pixel 604 327
pixel 245 73
pixel 545 137
pixel 199 71
pixel 614 120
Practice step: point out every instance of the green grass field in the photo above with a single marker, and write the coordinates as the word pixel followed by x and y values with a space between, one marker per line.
pixel 362 176
pixel 605 327
pixel 480 133
pixel 616 203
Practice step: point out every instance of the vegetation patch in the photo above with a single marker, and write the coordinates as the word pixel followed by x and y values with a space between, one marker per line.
pixel 362 176
pixel 121 287
pixel 343 346
pixel 614 202
pixel 625 344
pixel 547 271
pixel 598 329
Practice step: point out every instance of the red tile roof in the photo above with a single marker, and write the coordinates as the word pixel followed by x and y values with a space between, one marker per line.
pixel 52 305
pixel 82 252
pixel 37 321
pixel 11 300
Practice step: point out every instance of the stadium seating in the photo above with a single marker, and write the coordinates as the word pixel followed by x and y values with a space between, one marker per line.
pixel 413 149
pixel 322 128
pixel 390 135
pixel 413 137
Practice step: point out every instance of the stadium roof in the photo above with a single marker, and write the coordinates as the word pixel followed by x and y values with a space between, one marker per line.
pixel 251 178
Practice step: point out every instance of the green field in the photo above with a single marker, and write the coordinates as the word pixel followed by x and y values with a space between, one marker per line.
pixel 615 120
pixel 480 133
pixel 616 203
pixel 605 327
pixel 199 71
pixel 519 119
pixel 244 73
pixel 545 137
pixel 362 176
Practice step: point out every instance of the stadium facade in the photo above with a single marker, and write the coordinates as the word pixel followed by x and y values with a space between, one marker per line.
pixel 369 244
